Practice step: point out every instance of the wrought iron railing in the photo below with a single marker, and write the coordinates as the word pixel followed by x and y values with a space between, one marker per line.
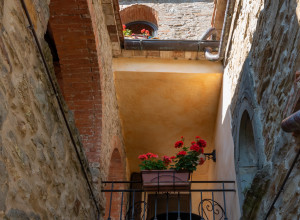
pixel 204 200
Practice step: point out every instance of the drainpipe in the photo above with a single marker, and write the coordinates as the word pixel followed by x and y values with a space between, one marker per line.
pixel 224 35
pixel 210 32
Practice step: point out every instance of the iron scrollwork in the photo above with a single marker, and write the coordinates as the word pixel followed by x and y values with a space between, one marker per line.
pixel 209 207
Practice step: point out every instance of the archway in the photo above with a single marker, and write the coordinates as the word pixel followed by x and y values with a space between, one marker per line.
pixel 71 39
pixel 116 173
pixel 247 158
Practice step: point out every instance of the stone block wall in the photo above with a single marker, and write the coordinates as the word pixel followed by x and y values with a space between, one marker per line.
pixel 260 66
pixel 40 173
pixel 178 19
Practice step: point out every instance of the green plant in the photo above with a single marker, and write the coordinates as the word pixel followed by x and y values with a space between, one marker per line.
pixel 189 158
pixel 150 161
pixel 126 32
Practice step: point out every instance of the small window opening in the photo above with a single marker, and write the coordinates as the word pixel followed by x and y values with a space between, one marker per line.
pixel 247 157
pixel 137 26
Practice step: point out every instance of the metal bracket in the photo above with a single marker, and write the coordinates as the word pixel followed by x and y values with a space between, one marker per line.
pixel 211 156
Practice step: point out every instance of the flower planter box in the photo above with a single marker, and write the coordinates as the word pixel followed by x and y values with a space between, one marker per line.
pixel 165 180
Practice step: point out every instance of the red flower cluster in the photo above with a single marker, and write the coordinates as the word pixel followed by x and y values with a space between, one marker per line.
pixel 201 143
pixel 151 155
pixel 146 32
pixel 195 147
pixel 147 156
pixel 178 144
pixel 143 157
pixel 181 153
pixel 167 160
pixel 124 27
pixel 186 159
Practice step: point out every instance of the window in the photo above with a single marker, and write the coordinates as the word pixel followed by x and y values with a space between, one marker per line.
pixel 137 26
pixel 138 17
pixel 247 160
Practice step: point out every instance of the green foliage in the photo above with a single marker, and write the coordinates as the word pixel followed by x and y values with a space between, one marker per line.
pixel 189 162
pixel 127 32
pixel 153 164
pixel 187 159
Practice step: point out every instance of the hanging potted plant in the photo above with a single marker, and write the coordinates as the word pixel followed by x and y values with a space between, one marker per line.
pixel 155 173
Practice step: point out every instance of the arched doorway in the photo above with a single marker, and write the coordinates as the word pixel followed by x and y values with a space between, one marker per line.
pixel 247 158
pixel 115 173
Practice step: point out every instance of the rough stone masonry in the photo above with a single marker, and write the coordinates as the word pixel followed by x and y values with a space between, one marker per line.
pixel 263 58
pixel 41 177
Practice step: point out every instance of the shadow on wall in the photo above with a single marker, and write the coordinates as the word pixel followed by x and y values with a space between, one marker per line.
pixel 129 2
pixel 270 67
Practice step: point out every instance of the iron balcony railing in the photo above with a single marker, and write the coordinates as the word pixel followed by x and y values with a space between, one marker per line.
pixel 204 200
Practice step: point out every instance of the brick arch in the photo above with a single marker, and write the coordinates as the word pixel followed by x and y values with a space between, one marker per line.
pixel 139 12
pixel 77 70
pixel 116 173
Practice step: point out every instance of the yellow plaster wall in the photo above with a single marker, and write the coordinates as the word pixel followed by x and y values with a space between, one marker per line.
pixel 166 65
pixel 162 100
pixel 224 169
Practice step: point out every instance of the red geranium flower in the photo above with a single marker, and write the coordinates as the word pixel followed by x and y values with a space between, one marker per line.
pixel 147 32
pixel 178 144
pixel 124 27
pixel 201 143
pixel 167 160
pixel 143 31
pixel 151 155
pixel 181 153
pixel 173 157
pixel 195 147
pixel 143 157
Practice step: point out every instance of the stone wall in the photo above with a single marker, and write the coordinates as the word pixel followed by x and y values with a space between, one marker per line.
pixel 40 173
pixel 179 19
pixel 260 66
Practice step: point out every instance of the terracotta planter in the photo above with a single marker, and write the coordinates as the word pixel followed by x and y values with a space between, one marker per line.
pixel 165 180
